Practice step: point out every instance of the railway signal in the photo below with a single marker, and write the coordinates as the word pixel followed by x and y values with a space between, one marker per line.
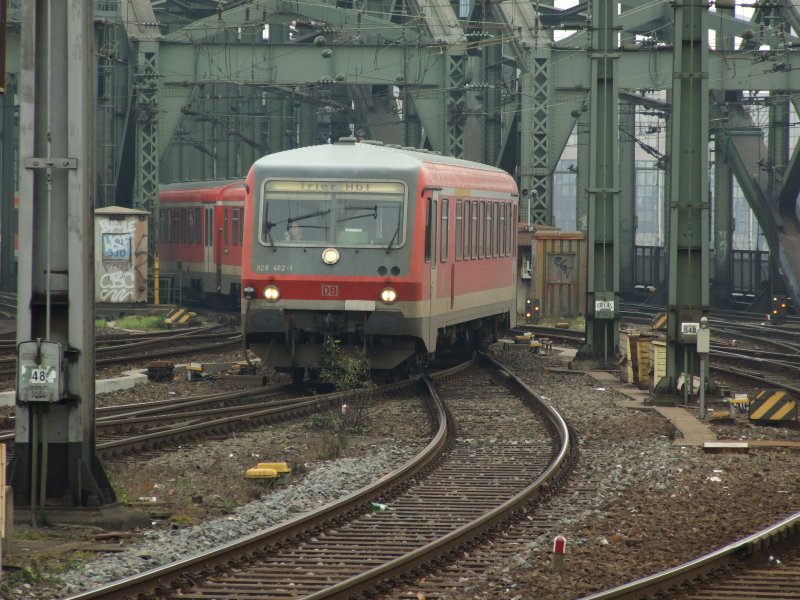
pixel 533 309
pixel 780 305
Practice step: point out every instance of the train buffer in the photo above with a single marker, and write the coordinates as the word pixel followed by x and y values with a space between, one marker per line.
pixel 773 406
pixel 180 317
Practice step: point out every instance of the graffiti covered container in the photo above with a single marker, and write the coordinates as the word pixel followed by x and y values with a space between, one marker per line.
pixel 558 273
pixel 120 256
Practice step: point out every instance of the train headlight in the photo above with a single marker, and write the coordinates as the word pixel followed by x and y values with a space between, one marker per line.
pixel 388 295
pixel 330 256
pixel 249 293
pixel 271 293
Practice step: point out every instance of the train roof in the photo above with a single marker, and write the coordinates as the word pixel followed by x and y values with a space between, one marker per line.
pixel 210 184
pixel 351 158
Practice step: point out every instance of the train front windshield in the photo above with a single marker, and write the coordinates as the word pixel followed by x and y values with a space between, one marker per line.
pixel 341 213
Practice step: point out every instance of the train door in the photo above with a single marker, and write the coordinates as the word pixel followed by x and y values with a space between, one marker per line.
pixel 208 244
pixel 431 226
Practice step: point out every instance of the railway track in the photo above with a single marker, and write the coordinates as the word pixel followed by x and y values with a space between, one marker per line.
pixel 763 565
pixel 454 493
pixel 143 348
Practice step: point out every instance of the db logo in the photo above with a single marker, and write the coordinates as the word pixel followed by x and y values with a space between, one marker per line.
pixel 330 290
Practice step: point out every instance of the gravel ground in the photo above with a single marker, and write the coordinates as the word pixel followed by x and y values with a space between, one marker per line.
pixel 650 504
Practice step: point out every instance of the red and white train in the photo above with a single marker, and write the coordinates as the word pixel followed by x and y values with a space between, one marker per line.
pixel 201 234
pixel 400 253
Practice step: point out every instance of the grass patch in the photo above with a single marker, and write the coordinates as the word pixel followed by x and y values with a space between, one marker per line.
pixel 142 323
pixel 576 323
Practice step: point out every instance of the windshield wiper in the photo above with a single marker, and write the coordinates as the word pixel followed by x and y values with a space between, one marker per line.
pixel 319 213
pixel 267 226
pixel 372 213
pixel 396 235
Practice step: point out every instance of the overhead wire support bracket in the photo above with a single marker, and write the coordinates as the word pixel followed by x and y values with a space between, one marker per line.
pixel 50 163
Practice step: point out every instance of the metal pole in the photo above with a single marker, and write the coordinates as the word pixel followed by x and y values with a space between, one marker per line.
pixel 685 378
pixel 702 413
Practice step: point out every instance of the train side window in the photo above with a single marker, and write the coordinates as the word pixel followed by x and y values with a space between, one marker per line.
pixel 428 233
pixel 241 226
pixel 190 226
pixel 503 221
pixel 496 232
pixel 489 229
pixel 198 238
pixel 225 225
pixel 481 228
pixel 176 225
pixel 466 229
pixel 235 227
pixel 445 224
pixel 434 221
pixel 209 227
pixel 459 230
pixel 509 224
pixel 514 231
pixel 473 231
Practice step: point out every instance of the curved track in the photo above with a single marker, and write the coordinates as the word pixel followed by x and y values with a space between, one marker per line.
pixel 449 497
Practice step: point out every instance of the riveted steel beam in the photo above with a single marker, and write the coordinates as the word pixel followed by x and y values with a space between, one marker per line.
pixel 602 289
pixel 689 207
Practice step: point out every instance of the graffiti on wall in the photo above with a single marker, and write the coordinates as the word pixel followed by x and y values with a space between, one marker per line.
pixel 561 268
pixel 122 268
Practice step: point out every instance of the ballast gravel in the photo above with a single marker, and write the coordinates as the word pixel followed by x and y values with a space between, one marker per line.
pixel 157 548
pixel 640 502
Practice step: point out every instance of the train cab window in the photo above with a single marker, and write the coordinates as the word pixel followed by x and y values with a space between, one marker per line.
pixel 344 213
pixel 235 226
pixel 241 226
pixel 445 220
pixel 225 225
pixel 459 228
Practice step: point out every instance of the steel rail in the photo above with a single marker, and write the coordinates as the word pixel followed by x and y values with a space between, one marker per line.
pixel 464 535
pixel 672 579
pixel 160 580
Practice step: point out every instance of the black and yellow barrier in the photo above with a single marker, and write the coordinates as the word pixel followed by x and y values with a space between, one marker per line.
pixel 659 322
pixel 773 405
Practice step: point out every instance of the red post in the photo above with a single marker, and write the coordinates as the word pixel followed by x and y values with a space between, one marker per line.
pixel 559 549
